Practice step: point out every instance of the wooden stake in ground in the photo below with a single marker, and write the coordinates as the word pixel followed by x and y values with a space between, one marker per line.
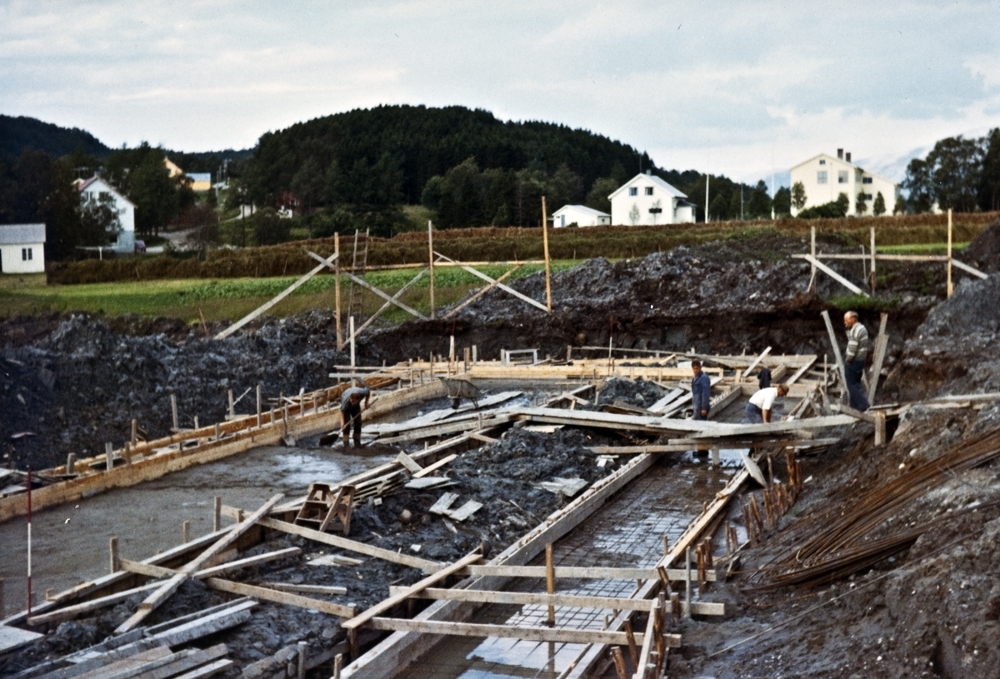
pixel 950 287
pixel 873 261
pixel 548 269
pixel 336 288
pixel 430 254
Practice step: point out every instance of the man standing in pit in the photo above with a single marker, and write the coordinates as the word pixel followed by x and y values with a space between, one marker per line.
pixel 700 388
pixel 350 411
pixel 855 359
pixel 761 404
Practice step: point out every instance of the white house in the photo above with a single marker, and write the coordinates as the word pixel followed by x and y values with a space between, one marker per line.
pixel 647 199
pixel 98 189
pixel 580 215
pixel 22 248
pixel 825 177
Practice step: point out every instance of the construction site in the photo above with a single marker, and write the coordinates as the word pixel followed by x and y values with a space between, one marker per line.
pixel 531 496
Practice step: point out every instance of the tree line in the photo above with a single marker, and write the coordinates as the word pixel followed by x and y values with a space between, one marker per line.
pixel 958 173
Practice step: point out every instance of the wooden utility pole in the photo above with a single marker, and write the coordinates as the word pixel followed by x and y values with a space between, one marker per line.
pixel 950 287
pixel 430 253
pixel 336 288
pixel 873 261
pixel 548 268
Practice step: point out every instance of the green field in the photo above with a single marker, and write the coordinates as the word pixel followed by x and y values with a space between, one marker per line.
pixel 231 298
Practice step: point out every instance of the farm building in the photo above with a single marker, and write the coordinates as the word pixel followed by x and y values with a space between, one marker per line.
pixel 22 248
pixel 579 215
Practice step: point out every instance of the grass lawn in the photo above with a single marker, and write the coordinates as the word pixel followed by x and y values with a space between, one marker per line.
pixel 920 249
pixel 232 298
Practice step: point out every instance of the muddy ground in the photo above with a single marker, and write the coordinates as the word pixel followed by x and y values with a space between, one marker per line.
pixel 931 611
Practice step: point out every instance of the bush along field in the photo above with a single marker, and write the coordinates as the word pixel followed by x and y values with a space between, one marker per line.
pixel 490 244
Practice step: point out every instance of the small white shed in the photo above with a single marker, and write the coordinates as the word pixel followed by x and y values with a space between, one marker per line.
pixel 581 215
pixel 22 248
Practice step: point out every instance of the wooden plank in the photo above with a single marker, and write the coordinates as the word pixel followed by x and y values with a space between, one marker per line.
pixel 720 404
pixel 233 605
pixel 282 295
pixel 170 586
pixel 570 600
pixel 836 348
pixel 154 571
pixel 801 371
pixel 449 428
pixel 480 274
pixel 13 637
pixel 753 364
pixel 277 597
pixel 549 634
pixel 431 468
pixel 648 641
pixel 465 511
pixel 969 269
pixel 881 344
pixel 207 670
pixel 345 543
pixel 777 427
pixel 329 590
pixel 835 276
pixel 387 604
pixel 408 463
pixel 481 292
pixel 132 665
pixel 387 298
pixel 71 612
pixel 443 503
pixel 186 661
pixel 579 572
pixel 399 293
pixel 199 628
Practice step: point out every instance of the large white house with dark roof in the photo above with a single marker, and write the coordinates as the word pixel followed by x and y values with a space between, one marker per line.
pixel 646 199
pixel 22 248
pixel 97 189
pixel 824 177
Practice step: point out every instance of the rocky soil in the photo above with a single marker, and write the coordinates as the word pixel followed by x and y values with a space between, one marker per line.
pixel 69 382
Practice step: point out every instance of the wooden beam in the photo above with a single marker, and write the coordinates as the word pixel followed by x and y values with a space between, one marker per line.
pixel 836 348
pixel 170 586
pixel 372 288
pixel 480 274
pixel 345 543
pixel 757 360
pixel 969 269
pixel 76 610
pixel 282 295
pixel 386 305
pixel 277 597
pixel 835 276
pixel 557 635
pixel 530 598
pixel 575 572
pixel 154 571
pixel 881 345
pixel 481 292
pixel 387 604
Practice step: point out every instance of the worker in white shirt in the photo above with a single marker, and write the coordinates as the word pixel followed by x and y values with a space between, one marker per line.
pixel 762 403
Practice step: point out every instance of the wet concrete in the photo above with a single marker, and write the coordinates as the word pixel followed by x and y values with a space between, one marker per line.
pixel 70 542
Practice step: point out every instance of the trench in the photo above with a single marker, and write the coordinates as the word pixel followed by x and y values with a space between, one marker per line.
pixel 627 531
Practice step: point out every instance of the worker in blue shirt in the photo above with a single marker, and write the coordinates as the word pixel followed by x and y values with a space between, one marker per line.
pixel 700 388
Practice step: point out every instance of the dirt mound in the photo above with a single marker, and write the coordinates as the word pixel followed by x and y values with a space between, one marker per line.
pixel 954 350
pixel 83 384
pixel 984 251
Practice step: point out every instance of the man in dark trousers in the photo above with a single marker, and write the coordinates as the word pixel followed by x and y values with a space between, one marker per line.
pixel 855 359
pixel 700 388
pixel 350 411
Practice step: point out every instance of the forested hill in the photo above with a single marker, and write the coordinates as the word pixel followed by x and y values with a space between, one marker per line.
pixel 387 155
pixel 29 134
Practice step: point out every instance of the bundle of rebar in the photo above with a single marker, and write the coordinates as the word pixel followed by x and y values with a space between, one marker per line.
pixel 840 541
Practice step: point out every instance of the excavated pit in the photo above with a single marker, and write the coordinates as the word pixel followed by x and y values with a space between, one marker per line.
pixel 69 382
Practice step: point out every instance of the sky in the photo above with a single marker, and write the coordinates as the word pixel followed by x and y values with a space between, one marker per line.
pixel 743 89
